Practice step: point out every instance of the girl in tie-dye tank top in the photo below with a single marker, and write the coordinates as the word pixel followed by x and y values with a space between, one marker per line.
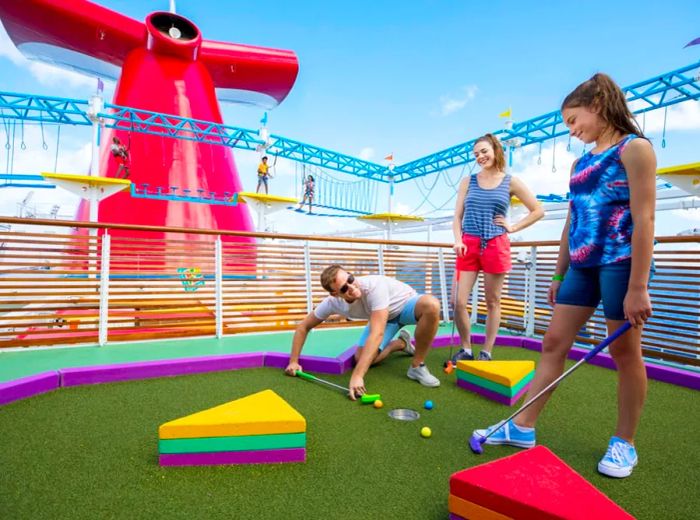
pixel 605 255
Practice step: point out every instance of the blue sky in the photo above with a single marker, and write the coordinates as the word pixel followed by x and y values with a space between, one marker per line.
pixel 414 78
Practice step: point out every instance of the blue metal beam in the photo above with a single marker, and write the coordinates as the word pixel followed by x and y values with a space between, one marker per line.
pixel 658 92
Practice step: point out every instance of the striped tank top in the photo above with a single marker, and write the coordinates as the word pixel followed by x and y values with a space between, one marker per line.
pixel 481 206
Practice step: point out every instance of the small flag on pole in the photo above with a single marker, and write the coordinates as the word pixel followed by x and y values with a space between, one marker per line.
pixel 389 157
pixel 507 113
pixel 696 41
pixel 263 121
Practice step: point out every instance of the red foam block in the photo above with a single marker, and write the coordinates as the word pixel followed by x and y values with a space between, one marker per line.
pixel 534 484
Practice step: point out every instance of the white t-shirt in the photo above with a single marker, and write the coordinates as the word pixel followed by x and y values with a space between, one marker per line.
pixel 378 292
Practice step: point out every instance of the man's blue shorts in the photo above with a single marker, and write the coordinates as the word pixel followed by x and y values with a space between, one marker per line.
pixel 587 286
pixel 407 317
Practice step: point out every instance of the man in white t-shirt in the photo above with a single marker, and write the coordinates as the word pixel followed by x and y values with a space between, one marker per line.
pixel 388 304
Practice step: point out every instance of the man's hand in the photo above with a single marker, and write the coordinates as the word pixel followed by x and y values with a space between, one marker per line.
pixel 357 387
pixel 292 368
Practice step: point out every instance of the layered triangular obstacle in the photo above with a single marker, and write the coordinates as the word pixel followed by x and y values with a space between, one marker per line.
pixel 531 485
pixel 502 381
pixel 261 428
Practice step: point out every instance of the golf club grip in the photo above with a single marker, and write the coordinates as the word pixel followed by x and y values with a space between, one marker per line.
pixel 619 332
pixel 304 375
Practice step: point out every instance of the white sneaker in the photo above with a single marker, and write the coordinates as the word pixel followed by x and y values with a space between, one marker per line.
pixel 423 376
pixel 405 336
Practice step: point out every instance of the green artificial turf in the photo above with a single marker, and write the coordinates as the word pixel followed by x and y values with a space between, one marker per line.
pixel 91 452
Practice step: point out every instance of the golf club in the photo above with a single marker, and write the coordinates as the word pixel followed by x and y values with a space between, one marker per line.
pixel 476 442
pixel 364 398
pixel 448 365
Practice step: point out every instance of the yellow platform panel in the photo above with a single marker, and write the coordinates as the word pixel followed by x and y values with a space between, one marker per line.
pixel 245 197
pixel 262 413
pixel 508 373
pixel 394 217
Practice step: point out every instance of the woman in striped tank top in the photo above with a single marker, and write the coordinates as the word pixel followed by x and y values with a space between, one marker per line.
pixel 481 232
pixel 605 255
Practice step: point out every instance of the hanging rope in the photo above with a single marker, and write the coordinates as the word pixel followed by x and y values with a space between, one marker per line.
pixel 22 144
pixel 539 156
pixel 58 142
pixel 43 139
pixel 663 134
pixel 554 152
pixel 568 145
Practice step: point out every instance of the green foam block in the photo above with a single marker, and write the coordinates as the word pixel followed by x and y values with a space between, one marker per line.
pixel 237 443
pixel 508 391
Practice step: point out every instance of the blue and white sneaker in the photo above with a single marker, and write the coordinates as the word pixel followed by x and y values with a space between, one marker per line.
pixel 484 356
pixel 619 460
pixel 462 355
pixel 509 434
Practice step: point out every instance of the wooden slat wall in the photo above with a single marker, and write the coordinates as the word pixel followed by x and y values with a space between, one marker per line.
pixel 49 286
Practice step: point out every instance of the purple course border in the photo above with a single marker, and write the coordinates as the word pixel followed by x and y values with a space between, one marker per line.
pixel 25 387
pixel 494 396
pixel 161 368
pixel 47 381
pixel 456 517
pixel 233 457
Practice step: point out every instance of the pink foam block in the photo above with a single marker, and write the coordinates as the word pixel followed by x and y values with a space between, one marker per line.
pixel 160 368
pixel 28 386
pixel 233 457
pixel 494 396
pixel 534 484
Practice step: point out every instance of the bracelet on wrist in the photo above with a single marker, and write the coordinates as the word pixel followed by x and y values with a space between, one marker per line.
pixel 558 278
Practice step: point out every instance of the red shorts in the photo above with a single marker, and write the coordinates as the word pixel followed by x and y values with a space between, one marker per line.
pixel 494 259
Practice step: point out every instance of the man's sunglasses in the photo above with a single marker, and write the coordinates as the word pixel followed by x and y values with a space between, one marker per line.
pixel 346 285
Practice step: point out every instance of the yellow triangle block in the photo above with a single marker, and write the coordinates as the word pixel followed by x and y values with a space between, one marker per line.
pixel 257 414
pixel 508 373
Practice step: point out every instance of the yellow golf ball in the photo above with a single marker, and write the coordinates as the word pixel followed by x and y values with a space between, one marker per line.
pixel 378 404
pixel 425 432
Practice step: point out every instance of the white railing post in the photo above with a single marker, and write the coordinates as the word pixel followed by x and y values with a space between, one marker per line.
pixel 443 286
pixel 380 258
pixel 219 287
pixel 104 290
pixel 307 270
pixel 531 293
pixel 475 302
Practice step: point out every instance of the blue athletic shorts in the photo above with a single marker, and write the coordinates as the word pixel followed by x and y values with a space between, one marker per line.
pixel 407 317
pixel 586 287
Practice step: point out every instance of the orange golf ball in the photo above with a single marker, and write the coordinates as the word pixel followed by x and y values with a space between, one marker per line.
pixel 378 403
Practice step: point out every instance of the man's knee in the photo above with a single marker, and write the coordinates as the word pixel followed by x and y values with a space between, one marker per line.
pixel 428 307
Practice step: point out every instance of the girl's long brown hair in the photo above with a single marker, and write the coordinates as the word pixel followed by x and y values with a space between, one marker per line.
pixel 602 95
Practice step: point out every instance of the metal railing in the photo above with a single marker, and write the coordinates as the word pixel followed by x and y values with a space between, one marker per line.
pixel 59 285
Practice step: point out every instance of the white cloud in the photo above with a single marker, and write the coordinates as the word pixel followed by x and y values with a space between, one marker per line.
pixel 35 159
pixel 451 104
pixel 535 168
pixel 367 153
pixel 47 75
pixel 683 116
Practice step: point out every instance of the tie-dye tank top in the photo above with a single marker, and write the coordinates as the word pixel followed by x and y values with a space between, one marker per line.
pixel 600 231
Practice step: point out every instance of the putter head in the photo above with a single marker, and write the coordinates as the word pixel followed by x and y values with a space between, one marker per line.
pixel 476 443
pixel 369 398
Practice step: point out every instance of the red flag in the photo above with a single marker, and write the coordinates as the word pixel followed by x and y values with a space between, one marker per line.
pixel 389 157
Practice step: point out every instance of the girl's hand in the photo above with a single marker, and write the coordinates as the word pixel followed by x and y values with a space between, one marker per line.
pixel 637 306
pixel 500 220
pixel 460 249
pixel 552 292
